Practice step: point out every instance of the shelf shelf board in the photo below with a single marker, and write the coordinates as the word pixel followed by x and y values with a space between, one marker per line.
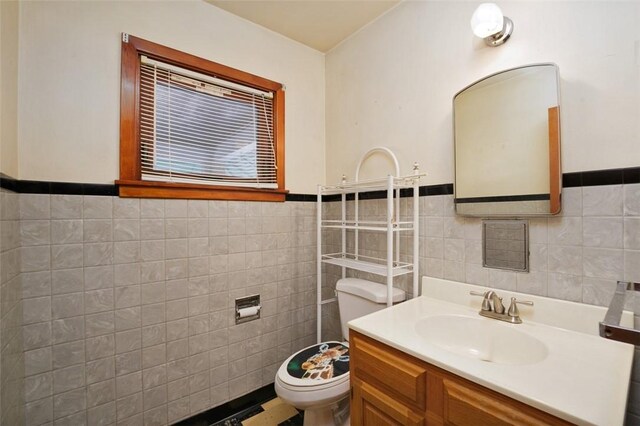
pixel 378 226
pixel 366 264
pixel 399 182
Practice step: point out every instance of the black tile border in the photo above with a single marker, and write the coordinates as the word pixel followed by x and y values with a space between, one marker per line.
pixel 301 197
pixel 231 408
pixel 62 188
pixel 504 198
pixel 621 176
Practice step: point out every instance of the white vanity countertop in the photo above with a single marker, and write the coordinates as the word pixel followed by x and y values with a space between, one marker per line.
pixel 584 379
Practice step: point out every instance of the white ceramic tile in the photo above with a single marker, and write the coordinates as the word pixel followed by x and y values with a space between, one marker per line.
pixel 565 259
pixel 175 208
pixel 606 232
pixel 565 231
pixel 38 386
pixel 152 229
pixel 632 265
pixel 454 249
pixel 98 277
pixel 36 335
pixel 66 231
pixel 98 230
pixel 632 199
pixel 502 279
pixel 35 232
pixel 126 208
pixel 96 254
pixel 67 305
pixel 99 324
pixel 566 287
pixel 100 347
pixel 571 201
pixel 35 258
pixel 603 263
pixel 36 309
pixel 126 229
pixel 68 378
pixel 97 207
pixel 602 200
pixel 67 280
pixel 34 206
pixel 66 256
pixel 100 370
pixel 532 283
pixel 632 233
pixel 68 403
pixel 39 412
pixel 66 206
pixel 67 329
pixel 37 361
pixel 36 284
pixel 151 208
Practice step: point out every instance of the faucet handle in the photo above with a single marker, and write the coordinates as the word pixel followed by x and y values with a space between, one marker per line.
pixel 513 308
pixel 486 304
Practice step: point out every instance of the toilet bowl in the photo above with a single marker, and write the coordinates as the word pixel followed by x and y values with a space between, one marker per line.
pixel 316 379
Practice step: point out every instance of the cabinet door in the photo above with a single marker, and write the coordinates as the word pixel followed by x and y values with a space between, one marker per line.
pixel 466 406
pixel 371 407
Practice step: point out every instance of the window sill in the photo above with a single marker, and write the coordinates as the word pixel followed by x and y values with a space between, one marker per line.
pixel 146 189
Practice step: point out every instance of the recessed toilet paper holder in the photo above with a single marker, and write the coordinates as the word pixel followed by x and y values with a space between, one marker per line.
pixel 248 308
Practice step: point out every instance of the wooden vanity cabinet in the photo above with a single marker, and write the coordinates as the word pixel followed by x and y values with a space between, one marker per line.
pixel 389 387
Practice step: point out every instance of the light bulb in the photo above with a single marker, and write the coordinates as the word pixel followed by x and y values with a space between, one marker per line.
pixel 487 20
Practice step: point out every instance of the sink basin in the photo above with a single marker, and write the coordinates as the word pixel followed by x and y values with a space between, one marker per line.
pixel 482 339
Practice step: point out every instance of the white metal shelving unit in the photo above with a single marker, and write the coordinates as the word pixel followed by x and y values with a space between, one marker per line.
pixel 390 267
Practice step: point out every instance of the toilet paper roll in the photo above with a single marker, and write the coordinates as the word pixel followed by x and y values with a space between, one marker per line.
pixel 248 312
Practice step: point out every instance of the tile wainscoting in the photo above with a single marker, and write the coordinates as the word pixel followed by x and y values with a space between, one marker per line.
pixel 128 303
pixel 578 255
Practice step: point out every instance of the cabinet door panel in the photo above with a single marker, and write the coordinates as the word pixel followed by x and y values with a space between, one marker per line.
pixel 371 407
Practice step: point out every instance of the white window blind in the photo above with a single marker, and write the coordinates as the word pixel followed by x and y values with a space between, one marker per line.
pixel 199 129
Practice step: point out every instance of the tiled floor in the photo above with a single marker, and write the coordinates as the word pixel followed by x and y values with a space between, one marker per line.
pixel 258 408
pixel 272 413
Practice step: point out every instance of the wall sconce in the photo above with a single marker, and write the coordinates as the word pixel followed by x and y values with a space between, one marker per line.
pixel 488 23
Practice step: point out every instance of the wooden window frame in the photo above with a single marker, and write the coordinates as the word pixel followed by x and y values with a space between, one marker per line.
pixel 130 183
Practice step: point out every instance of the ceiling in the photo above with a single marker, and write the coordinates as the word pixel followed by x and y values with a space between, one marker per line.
pixel 320 24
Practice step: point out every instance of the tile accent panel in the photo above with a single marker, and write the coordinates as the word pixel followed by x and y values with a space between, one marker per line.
pixel 128 303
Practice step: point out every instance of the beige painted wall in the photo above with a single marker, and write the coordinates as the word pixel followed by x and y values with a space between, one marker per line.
pixel 9 88
pixel 392 83
pixel 70 76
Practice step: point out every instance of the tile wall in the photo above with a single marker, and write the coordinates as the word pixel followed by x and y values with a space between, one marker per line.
pixel 127 304
pixel 11 347
pixel 578 255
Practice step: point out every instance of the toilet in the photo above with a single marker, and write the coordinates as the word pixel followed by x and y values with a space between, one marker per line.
pixel 316 378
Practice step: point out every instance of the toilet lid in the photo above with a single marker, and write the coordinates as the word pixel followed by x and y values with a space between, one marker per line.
pixel 316 365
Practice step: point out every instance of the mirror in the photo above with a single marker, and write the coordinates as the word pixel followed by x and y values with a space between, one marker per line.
pixel 507 144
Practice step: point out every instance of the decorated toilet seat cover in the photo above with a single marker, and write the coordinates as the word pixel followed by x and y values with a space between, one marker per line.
pixel 320 363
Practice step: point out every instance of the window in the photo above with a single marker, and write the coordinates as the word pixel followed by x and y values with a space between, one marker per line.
pixel 192 128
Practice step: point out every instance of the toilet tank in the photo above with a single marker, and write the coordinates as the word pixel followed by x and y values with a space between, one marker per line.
pixel 358 297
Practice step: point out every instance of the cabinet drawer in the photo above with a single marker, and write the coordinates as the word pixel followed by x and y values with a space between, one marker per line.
pixel 389 369
pixel 465 405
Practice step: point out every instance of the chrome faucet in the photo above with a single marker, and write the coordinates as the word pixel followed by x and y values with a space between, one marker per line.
pixel 492 307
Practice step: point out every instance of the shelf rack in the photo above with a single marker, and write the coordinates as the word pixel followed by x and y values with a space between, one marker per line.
pixel 390 267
